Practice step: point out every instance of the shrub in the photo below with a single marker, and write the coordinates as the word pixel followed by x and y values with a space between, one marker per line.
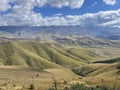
pixel 65 82
pixel 77 87
pixel 83 87
pixel 51 89
pixel 31 87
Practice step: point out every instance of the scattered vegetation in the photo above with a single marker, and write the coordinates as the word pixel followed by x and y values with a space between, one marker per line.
pixel 32 87
pixel 39 62
pixel 83 71
pixel 83 87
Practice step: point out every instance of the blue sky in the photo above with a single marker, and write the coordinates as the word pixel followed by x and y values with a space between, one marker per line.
pixel 89 6
pixel 104 13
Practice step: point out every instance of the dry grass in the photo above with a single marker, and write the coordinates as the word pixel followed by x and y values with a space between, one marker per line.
pixel 103 74
pixel 13 76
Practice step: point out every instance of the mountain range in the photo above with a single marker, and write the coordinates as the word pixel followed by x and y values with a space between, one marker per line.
pixel 66 35
pixel 49 32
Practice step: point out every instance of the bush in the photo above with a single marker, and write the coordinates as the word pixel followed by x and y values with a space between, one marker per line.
pixel 31 87
pixel 77 87
pixel 51 89
pixel 83 71
pixel 83 87
pixel 65 82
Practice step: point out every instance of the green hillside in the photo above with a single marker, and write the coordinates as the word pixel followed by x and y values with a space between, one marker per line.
pixel 33 54
pixel 48 54
pixel 12 54
pixel 109 61
pixel 105 74
pixel 104 68
pixel 40 61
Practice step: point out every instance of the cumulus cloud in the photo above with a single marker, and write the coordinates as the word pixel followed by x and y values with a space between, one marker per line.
pixel 22 14
pixel 110 2
pixel 40 3
pixel 4 5
pixel 103 19
pixel 54 3
pixel 70 3
pixel 110 18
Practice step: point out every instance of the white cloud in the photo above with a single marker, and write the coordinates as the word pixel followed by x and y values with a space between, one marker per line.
pixel 4 5
pixel 54 3
pixel 110 2
pixel 58 14
pixel 70 3
pixel 110 18
pixel 40 3
pixel 22 14
pixel 103 19
pixel 112 23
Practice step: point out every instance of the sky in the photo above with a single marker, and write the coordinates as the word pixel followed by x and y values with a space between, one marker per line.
pixel 104 13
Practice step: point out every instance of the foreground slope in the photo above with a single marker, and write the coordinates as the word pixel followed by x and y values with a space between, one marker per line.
pixel 101 73
pixel 42 80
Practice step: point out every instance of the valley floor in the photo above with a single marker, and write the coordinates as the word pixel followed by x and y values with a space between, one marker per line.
pixel 21 78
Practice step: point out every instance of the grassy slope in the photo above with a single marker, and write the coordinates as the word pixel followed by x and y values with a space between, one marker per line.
pixel 100 68
pixel 84 54
pixel 41 79
pixel 13 54
pixel 101 73
pixel 47 55
pixel 33 54
pixel 109 61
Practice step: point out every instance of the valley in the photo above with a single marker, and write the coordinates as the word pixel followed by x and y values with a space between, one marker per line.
pixel 29 62
pixel 59 44
pixel 37 58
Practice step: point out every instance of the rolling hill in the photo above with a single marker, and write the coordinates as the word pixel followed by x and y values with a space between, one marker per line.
pixel 111 67
pixel 106 73
pixel 49 54
pixel 116 60
pixel 33 54
pixel 40 53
